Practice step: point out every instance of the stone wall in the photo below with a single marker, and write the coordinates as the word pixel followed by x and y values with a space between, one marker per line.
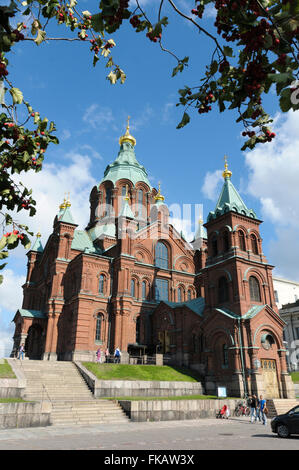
pixel 130 388
pixel 167 410
pixel 13 388
pixel 24 414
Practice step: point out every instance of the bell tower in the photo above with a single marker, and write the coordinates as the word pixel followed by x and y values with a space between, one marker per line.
pixel 238 276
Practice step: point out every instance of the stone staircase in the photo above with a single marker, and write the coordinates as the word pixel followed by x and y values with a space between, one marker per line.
pixel 72 402
pixel 280 406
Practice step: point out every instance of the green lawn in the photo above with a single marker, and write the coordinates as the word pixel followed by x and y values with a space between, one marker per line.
pixel 295 377
pixel 11 400
pixel 6 371
pixel 140 372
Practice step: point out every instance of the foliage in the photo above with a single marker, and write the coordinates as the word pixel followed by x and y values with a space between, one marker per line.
pixel 255 49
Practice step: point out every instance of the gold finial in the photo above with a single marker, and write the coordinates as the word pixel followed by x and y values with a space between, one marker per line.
pixel 63 205
pixel 68 202
pixel 127 197
pixel 38 235
pixel 227 173
pixel 159 196
pixel 200 221
pixel 127 137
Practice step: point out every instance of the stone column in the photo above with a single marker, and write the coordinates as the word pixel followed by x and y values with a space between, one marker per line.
pixel 51 338
pixel 286 384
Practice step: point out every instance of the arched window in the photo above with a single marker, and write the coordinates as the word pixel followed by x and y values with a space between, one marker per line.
pixel 224 355
pixel 254 246
pixel 223 290
pixel 254 288
pixel 143 290
pixel 99 323
pixel 161 255
pixel 241 236
pixel 101 284
pixel 225 241
pixel 214 247
pixel 133 288
pixel 180 294
pixel 123 191
pixel 140 203
pixel 108 200
pixel 189 295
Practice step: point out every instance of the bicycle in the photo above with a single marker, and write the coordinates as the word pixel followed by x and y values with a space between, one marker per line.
pixel 242 410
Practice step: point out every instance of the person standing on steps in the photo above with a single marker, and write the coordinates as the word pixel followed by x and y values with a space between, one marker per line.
pixel 21 351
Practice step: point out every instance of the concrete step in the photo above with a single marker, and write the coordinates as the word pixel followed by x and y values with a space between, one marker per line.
pixel 280 406
pixel 71 399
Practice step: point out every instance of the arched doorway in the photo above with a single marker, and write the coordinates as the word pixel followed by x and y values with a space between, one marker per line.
pixel 34 342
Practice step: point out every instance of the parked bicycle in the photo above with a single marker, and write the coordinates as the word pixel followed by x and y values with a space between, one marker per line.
pixel 242 410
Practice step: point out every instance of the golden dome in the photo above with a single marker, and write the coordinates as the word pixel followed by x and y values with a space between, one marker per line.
pixel 63 205
pixel 227 173
pixel 159 196
pixel 127 137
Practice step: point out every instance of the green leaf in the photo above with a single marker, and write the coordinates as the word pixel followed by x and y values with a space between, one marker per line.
pixel 185 120
pixel 112 77
pixel 228 51
pixel 285 100
pixel 3 242
pixel 17 95
pixel 41 35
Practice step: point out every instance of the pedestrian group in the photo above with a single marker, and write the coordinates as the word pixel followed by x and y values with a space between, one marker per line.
pixel 258 409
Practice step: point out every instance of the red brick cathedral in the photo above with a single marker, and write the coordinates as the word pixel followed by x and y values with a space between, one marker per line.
pixel 130 280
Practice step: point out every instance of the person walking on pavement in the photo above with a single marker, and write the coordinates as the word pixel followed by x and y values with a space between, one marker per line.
pixel 253 409
pixel 263 410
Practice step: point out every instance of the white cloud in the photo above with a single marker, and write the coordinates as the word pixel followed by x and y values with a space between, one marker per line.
pixel 65 135
pixel 273 179
pixel 98 117
pixel 49 188
pixel 211 185
pixel 274 170
pixel 11 295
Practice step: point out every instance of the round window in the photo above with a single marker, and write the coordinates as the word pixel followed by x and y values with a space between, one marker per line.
pixel 267 341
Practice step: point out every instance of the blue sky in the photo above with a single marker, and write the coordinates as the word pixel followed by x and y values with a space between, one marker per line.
pixel 59 81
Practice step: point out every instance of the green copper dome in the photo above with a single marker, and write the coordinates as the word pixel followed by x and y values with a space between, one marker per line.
pixel 230 200
pixel 126 166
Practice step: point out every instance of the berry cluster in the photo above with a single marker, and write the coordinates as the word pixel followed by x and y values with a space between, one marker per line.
pixel 135 21
pixel 94 46
pixel 205 106
pixel 198 11
pixel 152 36
pixel 248 133
pixel 18 36
pixel 15 232
pixel 3 71
pixel 269 135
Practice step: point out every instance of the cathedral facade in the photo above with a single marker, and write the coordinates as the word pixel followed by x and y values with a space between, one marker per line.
pixel 131 280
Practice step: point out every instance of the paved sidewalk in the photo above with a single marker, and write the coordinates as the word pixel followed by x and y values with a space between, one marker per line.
pixel 201 434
